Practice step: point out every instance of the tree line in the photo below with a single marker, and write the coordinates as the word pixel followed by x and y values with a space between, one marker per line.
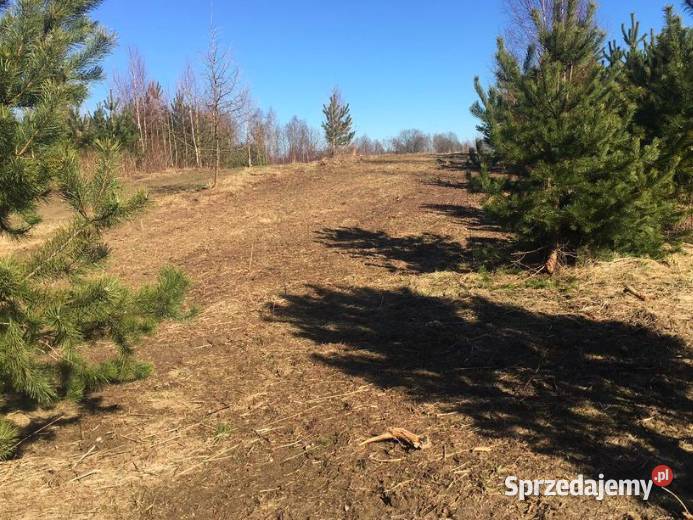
pixel 413 141
pixel 210 121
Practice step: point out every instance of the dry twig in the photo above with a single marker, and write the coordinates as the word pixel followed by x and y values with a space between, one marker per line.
pixel 630 290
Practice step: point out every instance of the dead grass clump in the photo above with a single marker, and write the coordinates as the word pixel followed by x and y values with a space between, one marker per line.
pixel 638 291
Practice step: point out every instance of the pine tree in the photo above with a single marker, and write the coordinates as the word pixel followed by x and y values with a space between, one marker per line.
pixel 107 123
pixel 560 123
pixel 53 305
pixel 337 123
pixel 657 73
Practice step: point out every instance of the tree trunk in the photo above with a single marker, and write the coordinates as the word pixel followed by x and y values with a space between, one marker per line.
pixel 215 123
pixel 139 124
pixel 194 138
pixel 173 142
pixel 552 263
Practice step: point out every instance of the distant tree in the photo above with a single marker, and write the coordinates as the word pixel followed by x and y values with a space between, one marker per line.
pixel 107 123
pixel 260 138
pixel 301 141
pixel 133 91
pixel 274 138
pixel 143 100
pixel 364 145
pixel 337 123
pixel 411 141
pixel 446 143
pixel 378 147
pixel 53 305
pixel 561 125
pixel 189 100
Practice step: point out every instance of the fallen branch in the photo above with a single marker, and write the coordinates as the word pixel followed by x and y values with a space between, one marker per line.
pixel 84 456
pixel 92 472
pixel 402 436
pixel 630 290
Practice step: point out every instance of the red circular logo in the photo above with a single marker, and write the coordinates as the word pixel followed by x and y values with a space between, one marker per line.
pixel 662 475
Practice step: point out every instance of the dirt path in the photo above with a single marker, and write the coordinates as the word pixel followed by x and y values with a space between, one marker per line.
pixel 313 335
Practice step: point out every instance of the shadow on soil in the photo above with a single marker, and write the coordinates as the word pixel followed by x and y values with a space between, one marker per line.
pixel 424 253
pixel 454 161
pixel 607 396
pixel 447 183
pixel 473 218
pixel 172 189
pixel 492 248
pixel 45 428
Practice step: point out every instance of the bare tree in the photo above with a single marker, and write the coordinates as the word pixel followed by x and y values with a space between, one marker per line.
pixel 302 143
pixel 446 143
pixel 411 141
pixel 131 91
pixel 274 137
pixel 225 96
pixel 367 146
pixel 188 89
pixel 146 100
pixel 521 31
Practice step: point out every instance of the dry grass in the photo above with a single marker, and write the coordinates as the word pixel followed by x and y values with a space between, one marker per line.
pixel 312 338
pixel 600 290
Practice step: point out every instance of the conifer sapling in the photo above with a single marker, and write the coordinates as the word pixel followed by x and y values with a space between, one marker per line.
pixel 560 122
pixel 337 124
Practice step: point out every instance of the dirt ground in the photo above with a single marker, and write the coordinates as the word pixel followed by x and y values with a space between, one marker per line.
pixel 337 300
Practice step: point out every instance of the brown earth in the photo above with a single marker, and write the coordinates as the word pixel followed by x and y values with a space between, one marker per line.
pixel 336 301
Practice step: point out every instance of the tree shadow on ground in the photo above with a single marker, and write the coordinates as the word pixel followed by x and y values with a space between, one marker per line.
pixel 472 217
pixel 173 189
pixel 424 253
pixel 45 427
pixel 454 161
pixel 492 248
pixel 607 396
pixel 447 183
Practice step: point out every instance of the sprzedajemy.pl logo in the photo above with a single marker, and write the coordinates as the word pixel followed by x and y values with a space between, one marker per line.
pixel 598 488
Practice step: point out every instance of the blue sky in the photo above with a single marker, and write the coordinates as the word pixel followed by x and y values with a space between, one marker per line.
pixel 400 63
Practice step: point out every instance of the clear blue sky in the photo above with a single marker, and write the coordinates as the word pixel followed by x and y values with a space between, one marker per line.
pixel 400 63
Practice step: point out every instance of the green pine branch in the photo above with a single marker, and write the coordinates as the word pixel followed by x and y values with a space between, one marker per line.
pixel 52 306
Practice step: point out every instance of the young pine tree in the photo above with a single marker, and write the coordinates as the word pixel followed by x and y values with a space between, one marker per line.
pixel 107 123
pixel 337 124
pixel 560 122
pixel 657 72
pixel 52 306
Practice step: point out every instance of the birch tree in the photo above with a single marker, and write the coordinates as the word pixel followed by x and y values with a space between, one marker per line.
pixel 225 95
